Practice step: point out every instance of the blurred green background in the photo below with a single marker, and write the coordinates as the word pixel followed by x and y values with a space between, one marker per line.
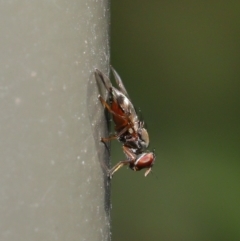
pixel 180 61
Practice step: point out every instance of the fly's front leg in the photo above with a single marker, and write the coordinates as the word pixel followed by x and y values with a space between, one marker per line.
pixel 116 167
pixel 130 156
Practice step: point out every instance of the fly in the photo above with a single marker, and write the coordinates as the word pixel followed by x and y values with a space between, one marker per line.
pixel 129 130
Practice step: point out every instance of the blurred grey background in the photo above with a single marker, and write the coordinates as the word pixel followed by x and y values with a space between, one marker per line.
pixel 179 61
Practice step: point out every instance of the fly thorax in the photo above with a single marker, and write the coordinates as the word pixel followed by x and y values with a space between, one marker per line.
pixel 143 137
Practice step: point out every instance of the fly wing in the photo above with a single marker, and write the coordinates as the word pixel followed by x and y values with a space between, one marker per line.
pixel 126 105
pixel 119 82
pixel 123 98
pixel 100 77
pixel 104 79
pixel 120 95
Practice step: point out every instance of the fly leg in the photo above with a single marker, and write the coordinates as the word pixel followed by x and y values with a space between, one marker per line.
pixel 105 104
pixel 116 167
pixel 131 158
pixel 113 137
pixel 105 140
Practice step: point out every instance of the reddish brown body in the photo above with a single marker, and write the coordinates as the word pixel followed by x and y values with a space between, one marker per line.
pixel 119 120
pixel 129 129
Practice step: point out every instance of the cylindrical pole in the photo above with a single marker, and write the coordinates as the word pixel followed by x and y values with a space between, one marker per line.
pixel 52 180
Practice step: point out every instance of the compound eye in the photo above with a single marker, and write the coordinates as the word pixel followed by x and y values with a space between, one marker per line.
pixel 145 160
pixel 143 134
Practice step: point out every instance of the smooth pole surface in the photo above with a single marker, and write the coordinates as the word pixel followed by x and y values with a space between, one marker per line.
pixel 52 180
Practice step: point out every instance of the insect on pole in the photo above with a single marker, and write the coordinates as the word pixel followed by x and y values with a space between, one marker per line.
pixel 129 130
